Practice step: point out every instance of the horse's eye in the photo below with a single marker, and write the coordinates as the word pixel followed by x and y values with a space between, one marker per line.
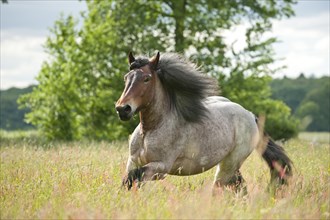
pixel 147 79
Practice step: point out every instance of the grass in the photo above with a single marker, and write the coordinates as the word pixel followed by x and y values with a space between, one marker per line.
pixel 315 137
pixel 81 180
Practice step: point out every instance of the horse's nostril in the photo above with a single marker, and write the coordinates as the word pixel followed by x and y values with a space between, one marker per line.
pixel 124 112
pixel 127 109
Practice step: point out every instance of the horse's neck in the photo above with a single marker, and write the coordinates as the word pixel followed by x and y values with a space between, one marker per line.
pixel 156 112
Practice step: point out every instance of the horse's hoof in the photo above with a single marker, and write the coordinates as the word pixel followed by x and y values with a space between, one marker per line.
pixel 127 183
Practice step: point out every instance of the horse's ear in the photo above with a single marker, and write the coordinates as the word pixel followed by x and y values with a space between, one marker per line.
pixel 154 61
pixel 131 58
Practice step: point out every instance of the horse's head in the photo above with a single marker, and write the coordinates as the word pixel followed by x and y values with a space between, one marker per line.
pixel 139 86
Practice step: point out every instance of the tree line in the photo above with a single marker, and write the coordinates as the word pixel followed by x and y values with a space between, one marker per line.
pixel 308 99
pixel 83 78
pixel 11 117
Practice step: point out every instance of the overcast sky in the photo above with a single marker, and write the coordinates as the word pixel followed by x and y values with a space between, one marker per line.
pixel 25 25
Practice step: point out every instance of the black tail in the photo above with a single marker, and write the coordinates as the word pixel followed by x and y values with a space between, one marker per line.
pixel 279 163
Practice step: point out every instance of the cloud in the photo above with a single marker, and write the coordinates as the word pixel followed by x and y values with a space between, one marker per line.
pixel 305 44
pixel 21 57
pixel 236 36
pixel 24 27
pixel 303 47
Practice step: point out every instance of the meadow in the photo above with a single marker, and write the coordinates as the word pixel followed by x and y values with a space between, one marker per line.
pixel 82 180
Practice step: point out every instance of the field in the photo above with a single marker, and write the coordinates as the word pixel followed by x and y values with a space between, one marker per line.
pixel 82 180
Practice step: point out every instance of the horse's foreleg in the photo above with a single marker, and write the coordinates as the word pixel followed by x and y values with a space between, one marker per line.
pixel 151 171
pixel 154 171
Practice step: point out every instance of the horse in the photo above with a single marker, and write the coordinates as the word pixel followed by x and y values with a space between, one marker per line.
pixel 185 128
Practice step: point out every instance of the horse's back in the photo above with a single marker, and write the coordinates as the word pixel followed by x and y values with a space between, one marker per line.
pixel 221 106
pixel 234 115
pixel 216 99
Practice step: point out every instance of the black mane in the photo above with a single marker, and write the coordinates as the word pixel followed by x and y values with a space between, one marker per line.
pixel 185 85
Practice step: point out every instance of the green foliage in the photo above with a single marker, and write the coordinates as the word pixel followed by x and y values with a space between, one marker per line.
pixel 316 106
pixel 308 98
pixel 11 118
pixel 78 87
pixel 80 83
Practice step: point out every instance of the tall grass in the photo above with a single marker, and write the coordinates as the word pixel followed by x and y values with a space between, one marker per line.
pixel 82 180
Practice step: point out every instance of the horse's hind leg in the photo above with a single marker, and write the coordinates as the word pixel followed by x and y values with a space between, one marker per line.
pixel 231 178
pixel 228 174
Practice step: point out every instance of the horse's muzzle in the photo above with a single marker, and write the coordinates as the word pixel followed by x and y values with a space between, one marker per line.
pixel 125 112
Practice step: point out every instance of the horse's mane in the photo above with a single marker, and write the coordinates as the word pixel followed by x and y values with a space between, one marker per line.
pixel 185 85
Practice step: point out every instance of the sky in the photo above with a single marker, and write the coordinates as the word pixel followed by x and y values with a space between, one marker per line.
pixel 304 39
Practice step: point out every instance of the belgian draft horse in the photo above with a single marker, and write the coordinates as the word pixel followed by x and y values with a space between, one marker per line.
pixel 185 129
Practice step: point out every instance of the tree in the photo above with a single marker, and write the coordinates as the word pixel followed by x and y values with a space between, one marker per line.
pixel 292 91
pixel 308 99
pixel 84 77
pixel 316 106
pixel 78 87
pixel 11 118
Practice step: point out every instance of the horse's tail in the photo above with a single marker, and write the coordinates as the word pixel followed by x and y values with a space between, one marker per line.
pixel 279 163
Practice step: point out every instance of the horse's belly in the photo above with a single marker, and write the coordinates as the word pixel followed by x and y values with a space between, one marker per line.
pixel 190 166
pixel 205 146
